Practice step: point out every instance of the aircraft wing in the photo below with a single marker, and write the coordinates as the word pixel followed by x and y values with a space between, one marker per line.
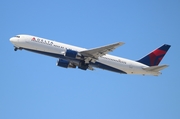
pixel 95 53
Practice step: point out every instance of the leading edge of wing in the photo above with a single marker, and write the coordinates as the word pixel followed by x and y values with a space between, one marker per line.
pixel 100 51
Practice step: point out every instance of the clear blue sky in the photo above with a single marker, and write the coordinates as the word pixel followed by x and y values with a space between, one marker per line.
pixel 33 87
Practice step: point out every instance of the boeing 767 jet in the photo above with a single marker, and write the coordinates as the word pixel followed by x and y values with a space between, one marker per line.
pixel 72 56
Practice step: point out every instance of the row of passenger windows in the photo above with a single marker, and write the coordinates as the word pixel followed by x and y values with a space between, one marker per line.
pixel 61 47
pixel 114 60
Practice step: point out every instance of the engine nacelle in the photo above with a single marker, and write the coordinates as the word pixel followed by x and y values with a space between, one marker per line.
pixel 73 54
pixel 65 64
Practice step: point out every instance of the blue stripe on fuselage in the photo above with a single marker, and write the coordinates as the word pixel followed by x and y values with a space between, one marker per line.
pixel 96 64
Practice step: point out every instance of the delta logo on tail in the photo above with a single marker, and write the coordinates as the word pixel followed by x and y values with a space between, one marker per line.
pixel 155 57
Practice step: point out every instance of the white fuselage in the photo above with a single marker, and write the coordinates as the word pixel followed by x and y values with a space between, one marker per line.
pixel 57 49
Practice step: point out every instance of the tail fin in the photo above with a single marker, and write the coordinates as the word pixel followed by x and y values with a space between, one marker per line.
pixel 155 57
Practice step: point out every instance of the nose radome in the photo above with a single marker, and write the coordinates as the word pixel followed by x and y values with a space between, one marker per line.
pixel 13 40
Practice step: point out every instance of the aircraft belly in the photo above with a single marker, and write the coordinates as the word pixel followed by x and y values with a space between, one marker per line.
pixel 111 66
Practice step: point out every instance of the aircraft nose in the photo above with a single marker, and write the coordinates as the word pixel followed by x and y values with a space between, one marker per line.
pixel 13 40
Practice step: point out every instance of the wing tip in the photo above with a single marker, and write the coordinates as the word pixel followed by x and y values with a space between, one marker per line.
pixel 121 43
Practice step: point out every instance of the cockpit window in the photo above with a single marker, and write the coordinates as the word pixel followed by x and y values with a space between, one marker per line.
pixel 17 36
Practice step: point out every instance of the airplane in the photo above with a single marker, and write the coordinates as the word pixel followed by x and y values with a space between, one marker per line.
pixel 72 56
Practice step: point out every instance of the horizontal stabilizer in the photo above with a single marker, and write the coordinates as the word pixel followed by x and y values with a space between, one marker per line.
pixel 155 68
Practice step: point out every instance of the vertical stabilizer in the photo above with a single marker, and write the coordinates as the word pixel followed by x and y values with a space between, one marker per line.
pixel 155 57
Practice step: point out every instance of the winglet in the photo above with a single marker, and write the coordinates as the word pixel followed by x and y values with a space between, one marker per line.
pixel 155 57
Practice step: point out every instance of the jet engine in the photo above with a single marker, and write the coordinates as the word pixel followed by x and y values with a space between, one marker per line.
pixel 65 64
pixel 73 54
